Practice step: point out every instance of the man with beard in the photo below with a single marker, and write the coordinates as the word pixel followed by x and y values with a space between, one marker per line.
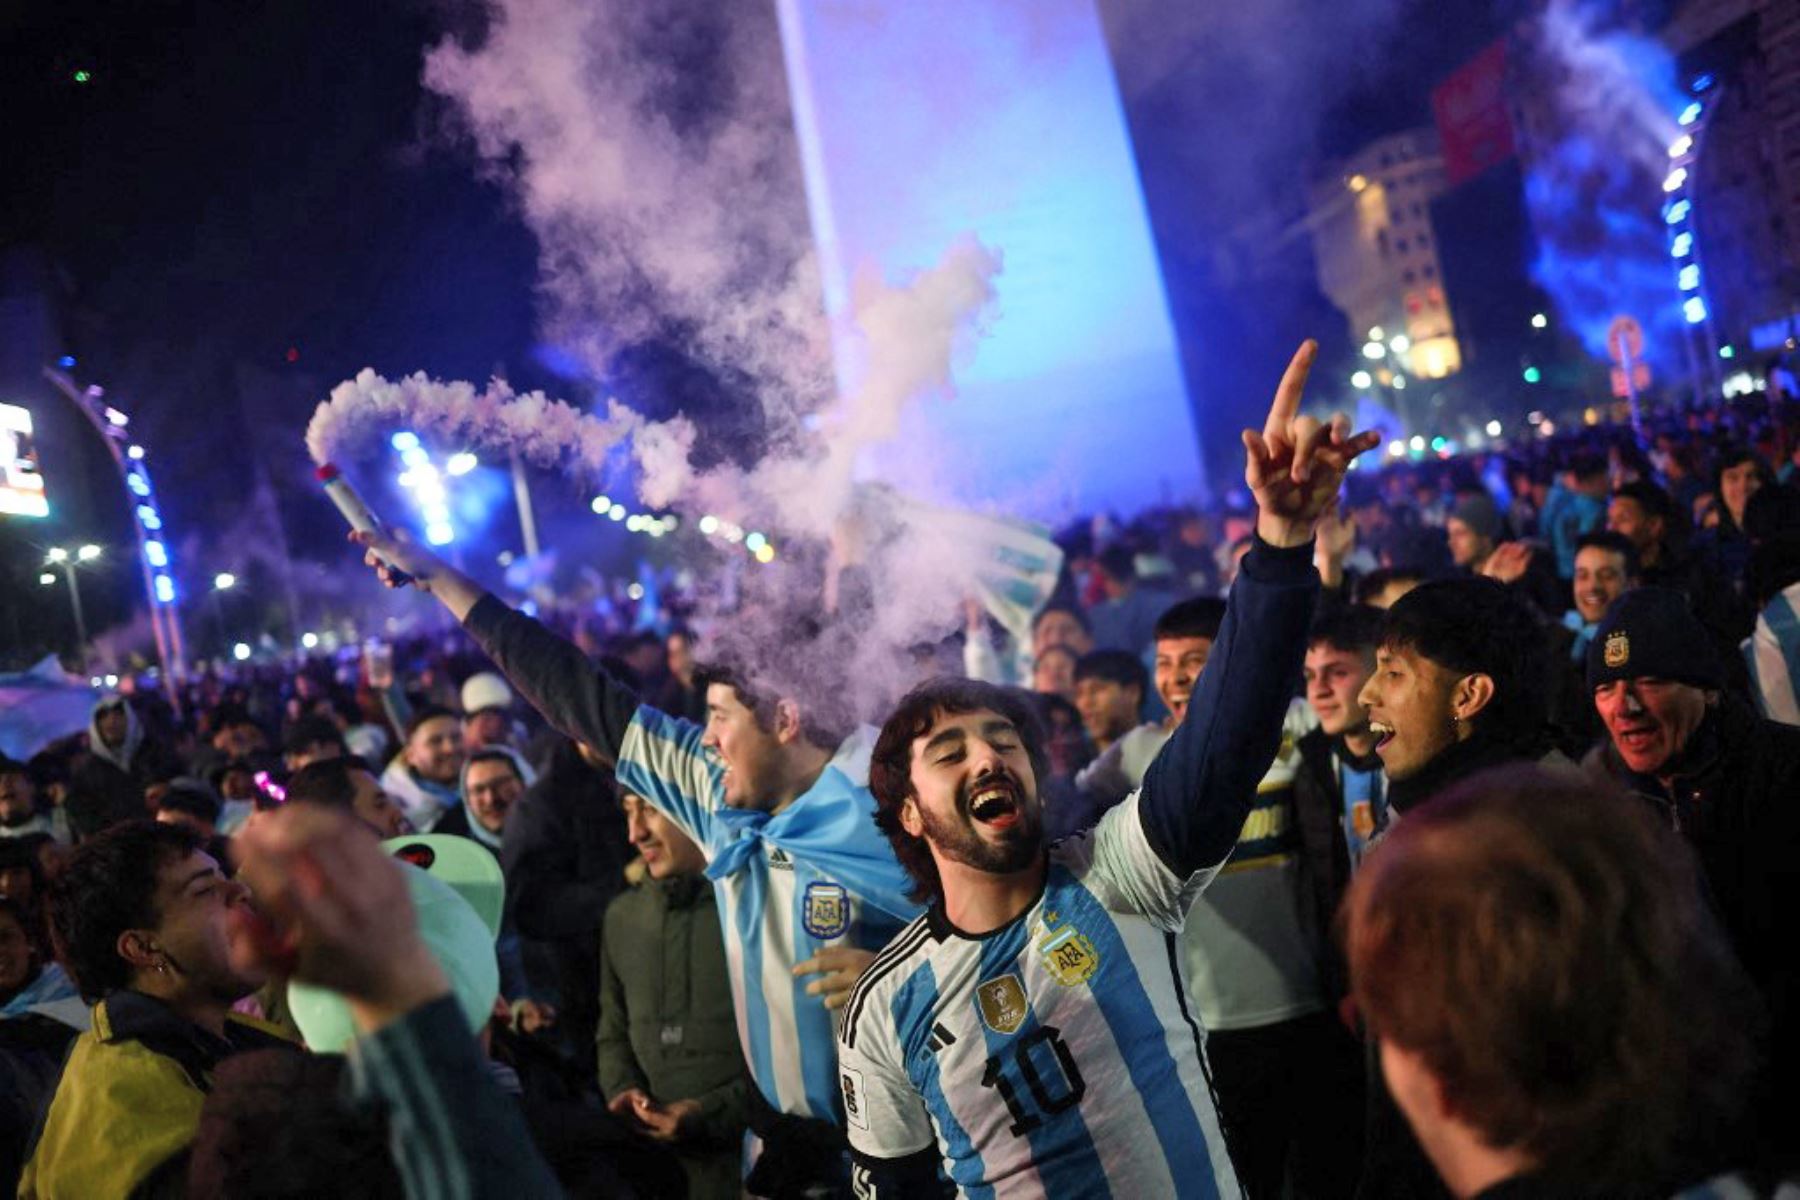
pixel 142 917
pixel 1029 1032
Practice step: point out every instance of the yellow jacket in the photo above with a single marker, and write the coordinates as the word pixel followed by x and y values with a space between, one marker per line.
pixel 128 1104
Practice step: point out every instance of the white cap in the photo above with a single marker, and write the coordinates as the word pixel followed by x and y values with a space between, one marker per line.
pixel 484 691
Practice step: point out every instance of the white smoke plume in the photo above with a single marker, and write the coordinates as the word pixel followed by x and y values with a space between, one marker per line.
pixel 1607 100
pixel 650 149
pixel 548 433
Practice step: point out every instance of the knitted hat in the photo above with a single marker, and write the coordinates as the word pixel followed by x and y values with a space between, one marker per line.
pixel 484 691
pixel 1478 511
pixel 1650 632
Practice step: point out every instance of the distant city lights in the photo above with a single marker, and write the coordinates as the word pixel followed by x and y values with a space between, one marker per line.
pixel 224 581
pixel 241 651
pixel 1374 350
pixel 165 589
pixel 1689 278
pixel 1399 343
pixel 1494 428
pixel 309 640
pixel 1682 245
pixel 1539 321
pixel 1361 379
pixel 1694 309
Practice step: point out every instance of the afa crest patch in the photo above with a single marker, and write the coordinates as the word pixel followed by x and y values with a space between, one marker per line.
pixel 1002 1002
pixel 1617 650
pixel 1069 956
pixel 825 910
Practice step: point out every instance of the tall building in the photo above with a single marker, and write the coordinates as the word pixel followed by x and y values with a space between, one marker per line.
pixel 1377 251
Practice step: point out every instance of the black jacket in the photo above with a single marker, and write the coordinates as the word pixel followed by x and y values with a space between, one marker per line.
pixel 564 856
pixel 1324 855
pixel 1735 798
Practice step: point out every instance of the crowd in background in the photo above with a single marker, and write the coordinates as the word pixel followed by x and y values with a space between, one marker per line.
pixel 1630 598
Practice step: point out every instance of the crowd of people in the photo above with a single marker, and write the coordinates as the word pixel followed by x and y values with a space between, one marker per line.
pixel 1422 829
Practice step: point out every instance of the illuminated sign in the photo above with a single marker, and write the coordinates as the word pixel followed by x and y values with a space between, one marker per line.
pixel 21 487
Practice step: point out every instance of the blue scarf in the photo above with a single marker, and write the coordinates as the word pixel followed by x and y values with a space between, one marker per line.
pixel 1584 633
pixel 831 828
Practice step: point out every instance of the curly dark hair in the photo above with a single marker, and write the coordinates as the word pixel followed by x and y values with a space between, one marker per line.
pixel 1547 950
pixel 108 886
pixel 890 767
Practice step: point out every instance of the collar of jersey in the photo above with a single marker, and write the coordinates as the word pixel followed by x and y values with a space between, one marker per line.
pixel 943 928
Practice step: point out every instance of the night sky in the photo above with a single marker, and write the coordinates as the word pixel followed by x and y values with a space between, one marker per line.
pixel 225 208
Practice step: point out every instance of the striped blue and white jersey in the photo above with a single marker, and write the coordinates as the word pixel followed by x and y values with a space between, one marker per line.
pixel 816 874
pixel 1054 1056
pixel 780 905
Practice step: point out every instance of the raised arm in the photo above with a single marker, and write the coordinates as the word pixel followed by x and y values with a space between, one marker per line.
pixel 553 675
pixel 1199 790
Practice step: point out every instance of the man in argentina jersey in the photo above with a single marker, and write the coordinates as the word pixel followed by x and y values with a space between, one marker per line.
pixel 780 805
pixel 1029 1034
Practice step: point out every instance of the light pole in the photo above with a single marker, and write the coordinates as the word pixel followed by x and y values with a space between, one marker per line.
pixel 56 556
pixel 223 582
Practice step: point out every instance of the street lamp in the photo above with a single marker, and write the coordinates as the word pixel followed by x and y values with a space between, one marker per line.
pixel 224 581
pixel 58 557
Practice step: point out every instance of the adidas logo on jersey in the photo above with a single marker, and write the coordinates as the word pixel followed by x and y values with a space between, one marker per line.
pixel 940 1038
pixel 779 860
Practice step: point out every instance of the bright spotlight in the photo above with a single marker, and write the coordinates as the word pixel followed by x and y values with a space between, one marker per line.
pixel 1400 343
pixel 1374 350
pixel 1361 379
pixel 1417 442
pixel 765 553
pixel 1675 180
pixel 88 553
pixel 461 464
pixel 47 578
pixel 601 505
pixel 134 453
pixel 754 542
pixel 309 640
pixel 1694 309
pixel 1377 334
pixel 56 554
pixel 224 581
pixel 1681 145
pixel 616 512
pixel 241 651
pixel 1493 428
pixel 1539 321
pixel 165 589
pixel 1690 114
pixel 405 440
pixel 709 524
pixel 439 533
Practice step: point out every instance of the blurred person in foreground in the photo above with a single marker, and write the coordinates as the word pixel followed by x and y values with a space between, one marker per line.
pixel 142 917
pixel 1724 778
pixel 1556 1011
pixel 670 1066
pixel 334 910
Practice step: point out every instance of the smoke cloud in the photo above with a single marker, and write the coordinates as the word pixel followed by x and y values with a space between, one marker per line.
pixel 1593 182
pixel 650 149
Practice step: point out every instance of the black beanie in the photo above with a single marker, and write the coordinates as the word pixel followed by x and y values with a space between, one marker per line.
pixel 1650 632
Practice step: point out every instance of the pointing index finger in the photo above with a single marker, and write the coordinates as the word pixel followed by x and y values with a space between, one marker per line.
pixel 1293 384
